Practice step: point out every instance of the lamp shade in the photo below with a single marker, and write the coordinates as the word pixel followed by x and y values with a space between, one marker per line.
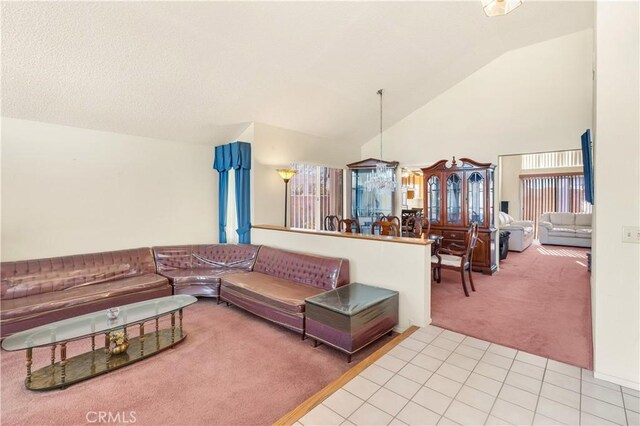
pixel 286 174
pixel 499 7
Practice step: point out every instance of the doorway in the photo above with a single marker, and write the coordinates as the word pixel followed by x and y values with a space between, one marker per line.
pixel 540 300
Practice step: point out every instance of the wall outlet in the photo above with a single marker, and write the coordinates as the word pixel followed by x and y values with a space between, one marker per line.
pixel 631 234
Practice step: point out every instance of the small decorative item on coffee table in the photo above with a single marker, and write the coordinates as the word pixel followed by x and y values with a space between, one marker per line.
pixel 351 317
pixel 120 342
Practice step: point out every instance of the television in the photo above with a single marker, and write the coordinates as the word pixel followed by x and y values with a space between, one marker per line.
pixel 587 164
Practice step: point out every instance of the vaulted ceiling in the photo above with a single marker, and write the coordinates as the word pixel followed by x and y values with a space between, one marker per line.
pixel 200 71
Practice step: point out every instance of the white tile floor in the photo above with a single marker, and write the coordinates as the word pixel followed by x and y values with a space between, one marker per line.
pixel 439 377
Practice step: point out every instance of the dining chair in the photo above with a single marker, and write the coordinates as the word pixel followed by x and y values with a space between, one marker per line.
pixel 390 218
pixel 386 228
pixel 457 260
pixel 331 222
pixel 348 226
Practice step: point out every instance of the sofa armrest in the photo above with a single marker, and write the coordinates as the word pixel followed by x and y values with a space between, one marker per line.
pixel 545 224
pixel 522 223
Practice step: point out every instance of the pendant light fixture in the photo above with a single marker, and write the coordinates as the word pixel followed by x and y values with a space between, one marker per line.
pixel 382 177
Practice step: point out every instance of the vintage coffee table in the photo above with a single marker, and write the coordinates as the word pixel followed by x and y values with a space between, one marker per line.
pixel 99 361
pixel 351 317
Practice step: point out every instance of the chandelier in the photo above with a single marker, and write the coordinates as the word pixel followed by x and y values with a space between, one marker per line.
pixel 499 7
pixel 382 177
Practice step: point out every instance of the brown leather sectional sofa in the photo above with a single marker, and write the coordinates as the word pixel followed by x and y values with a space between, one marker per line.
pixel 280 281
pixel 268 282
pixel 37 292
pixel 197 269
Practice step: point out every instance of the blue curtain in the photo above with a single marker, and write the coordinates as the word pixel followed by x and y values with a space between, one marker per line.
pixel 222 163
pixel 587 161
pixel 241 163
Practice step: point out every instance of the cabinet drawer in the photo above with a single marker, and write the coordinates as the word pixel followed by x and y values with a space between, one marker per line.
pixel 454 235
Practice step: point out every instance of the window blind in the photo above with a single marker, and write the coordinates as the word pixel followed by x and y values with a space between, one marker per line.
pixel 552 193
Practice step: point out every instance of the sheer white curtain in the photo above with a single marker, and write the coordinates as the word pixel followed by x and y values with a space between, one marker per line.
pixel 232 217
pixel 316 192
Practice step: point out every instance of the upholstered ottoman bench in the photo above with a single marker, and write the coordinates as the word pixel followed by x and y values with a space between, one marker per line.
pixel 351 317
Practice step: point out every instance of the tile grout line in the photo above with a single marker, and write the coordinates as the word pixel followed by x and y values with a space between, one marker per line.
pixel 500 390
pixel 624 407
pixel 467 379
pixel 342 387
pixel 544 374
pixel 422 385
pixel 394 374
pixel 580 406
pixel 434 372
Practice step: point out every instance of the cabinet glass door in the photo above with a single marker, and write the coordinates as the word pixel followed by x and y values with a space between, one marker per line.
pixel 475 198
pixel 368 205
pixel 433 186
pixel 491 195
pixel 454 199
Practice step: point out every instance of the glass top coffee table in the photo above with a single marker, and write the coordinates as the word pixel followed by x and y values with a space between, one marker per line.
pixel 118 350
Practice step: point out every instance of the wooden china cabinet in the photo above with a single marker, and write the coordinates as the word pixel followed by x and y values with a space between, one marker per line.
pixel 456 196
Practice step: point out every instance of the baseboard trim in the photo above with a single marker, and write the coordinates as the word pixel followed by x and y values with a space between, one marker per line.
pixel 297 413
pixel 617 380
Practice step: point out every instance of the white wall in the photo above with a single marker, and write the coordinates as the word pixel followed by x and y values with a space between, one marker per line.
pixel 616 268
pixel 405 268
pixel 533 99
pixel 510 168
pixel 68 190
pixel 273 148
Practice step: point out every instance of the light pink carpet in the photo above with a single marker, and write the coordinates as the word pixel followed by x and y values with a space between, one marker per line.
pixel 233 368
pixel 539 302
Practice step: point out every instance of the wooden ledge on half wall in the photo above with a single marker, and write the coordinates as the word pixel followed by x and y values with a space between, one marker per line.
pixel 384 238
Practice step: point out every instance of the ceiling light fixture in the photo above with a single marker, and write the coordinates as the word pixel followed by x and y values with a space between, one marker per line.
pixel 499 7
pixel 383 177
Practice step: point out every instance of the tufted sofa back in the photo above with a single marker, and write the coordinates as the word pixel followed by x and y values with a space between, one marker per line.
pixel 316 271
pixel 31 277
pixel 206 256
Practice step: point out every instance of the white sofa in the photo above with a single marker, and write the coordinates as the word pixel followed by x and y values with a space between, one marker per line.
pixel 565 229
pixel 521 231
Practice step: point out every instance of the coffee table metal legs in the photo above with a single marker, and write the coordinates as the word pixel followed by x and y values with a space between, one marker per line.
pixel 29 362
pixel 173 327
pixel 141 339
pixel 63 361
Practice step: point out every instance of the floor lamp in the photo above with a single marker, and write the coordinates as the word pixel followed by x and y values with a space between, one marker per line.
pixel 286 175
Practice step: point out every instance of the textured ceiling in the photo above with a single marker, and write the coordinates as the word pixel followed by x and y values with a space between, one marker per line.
pixel 200 71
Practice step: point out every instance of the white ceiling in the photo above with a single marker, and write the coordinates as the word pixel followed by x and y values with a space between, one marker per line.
pixel 200 71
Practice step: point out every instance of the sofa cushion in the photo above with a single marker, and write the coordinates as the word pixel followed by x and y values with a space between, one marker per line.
pixel 51 301
pixel 197 275
pixel 583 232
pixel 583 219
pixel 562 218
pixel 562 232
pixel 447 260
pixel 317 271
pixel 32 277
pixel 278 292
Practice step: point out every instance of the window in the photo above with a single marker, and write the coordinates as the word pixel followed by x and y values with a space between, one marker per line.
pixel 552 193
pixel 552 160
pixel 316 192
